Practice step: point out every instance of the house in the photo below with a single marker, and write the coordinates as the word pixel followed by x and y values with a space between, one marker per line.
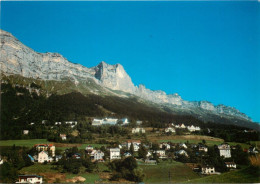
pixel 127 154
pixel 182 126
pixel 29 179
pixel 207 170
pixel 45 147
pixel 32 123
pixel 224 150
pixel 149 154
pixel 181 152
pixel 76 156
pixel 57 123
pixel 191 128
pixel 97 155
pixel 89 148
pixel 63 137
pixel 124 121
pixel 165 146
pixel 203 148
pixel 138 130
pixel 183 145
pixel 71 123
pixel 114 153
pixel 1 160
pixel 169 129
pixel 25 132
pixel 231 165
pixel 160 153
pixel 135 143
pixel 44 157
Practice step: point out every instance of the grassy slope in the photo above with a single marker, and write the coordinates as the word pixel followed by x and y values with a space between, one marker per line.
pixel 179 172
pixel 246 175
pixel 27 143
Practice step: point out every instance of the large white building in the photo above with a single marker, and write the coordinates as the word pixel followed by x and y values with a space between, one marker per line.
pixel 114 153
pixel 106 121
pixel 43 156
pixel 224 150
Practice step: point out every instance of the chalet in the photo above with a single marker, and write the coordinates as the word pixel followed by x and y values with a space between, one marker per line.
pixel 224 150
pixel 231 165
pixel 114 153
pixel 97 155
pixel 63 137
pixel 203 148
pixel 135 143
pixel 183 145
pixel 169 130
pixel 207 170
pixel 44 157
pixel 25 132
pixel 29 179
pixel 160 153
pixel 181 152
pixel 138 130
pixel 45 147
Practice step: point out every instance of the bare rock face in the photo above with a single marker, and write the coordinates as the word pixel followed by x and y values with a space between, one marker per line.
pixel 114 77
pixel 16 58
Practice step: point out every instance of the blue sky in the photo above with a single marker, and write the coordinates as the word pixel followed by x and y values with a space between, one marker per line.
pixel 201 50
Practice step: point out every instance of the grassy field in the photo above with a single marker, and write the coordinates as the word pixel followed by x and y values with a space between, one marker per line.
pixel 37 168
pixel 27 143
pixel 90 177
pixel 168 171
pixel 246 175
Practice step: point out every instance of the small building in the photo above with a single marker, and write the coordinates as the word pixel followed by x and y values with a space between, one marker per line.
pixel 231 165
pixel 182 126
pixel 89 148
pixel 224 150
pixel 160 153
pixel 203 148
pixel 165 146
pixel 207 170
pixel 63 137
pixel 149 154
pixel 76 156
pixel 57 123
pixel 58 157
pixel 169 130
pixel 114 153
pixel 124 121
pixel 138 122
pixel 109 121
pixel 97 155
pixel 25 132
pixel 97 122
pixel 29 179
pixel 183 145
pixel 44 157
pixel 138 130
pixel 127 154
pixel 71 123
pixel 181 152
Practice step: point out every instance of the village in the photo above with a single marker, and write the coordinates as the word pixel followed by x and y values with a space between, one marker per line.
pixel 202 158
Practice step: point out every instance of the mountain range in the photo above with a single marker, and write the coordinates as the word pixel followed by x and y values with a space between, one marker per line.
pixel 104 79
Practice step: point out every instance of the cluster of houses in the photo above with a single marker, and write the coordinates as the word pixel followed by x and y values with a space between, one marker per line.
pixel 191 128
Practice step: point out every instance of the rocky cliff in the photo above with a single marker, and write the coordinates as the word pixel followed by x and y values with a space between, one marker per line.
pixel 19 59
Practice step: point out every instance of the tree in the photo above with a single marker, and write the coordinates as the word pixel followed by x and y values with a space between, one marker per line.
pixel 131 149
pixel 142 152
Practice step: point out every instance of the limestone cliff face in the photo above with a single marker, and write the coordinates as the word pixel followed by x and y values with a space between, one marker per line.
pixel 114 77
pixel 16 58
